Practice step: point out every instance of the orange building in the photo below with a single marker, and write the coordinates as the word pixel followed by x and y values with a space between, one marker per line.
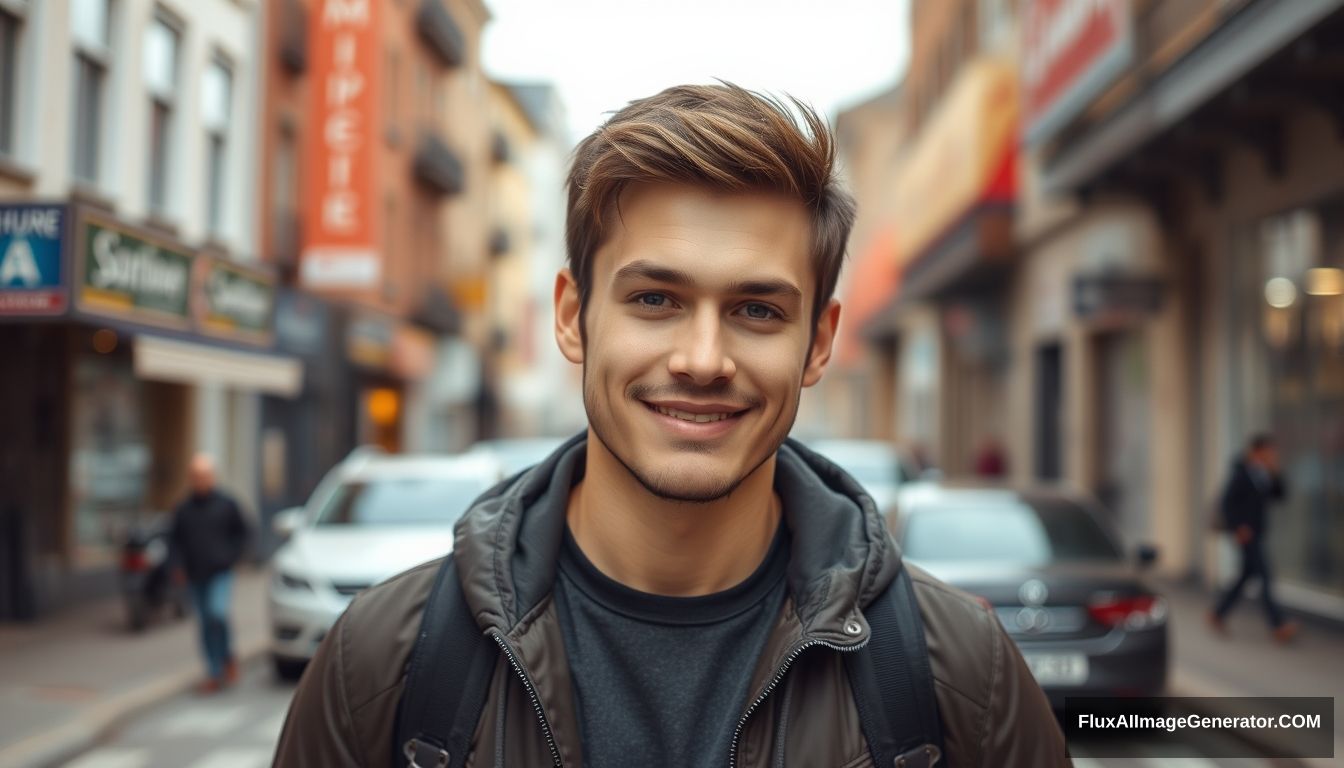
pixel 372 198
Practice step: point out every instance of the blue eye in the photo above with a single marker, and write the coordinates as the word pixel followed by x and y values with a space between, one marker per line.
pixel 760 312
pixel 652 299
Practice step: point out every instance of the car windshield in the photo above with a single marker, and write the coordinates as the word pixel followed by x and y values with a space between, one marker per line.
pixel 400 501
pixel 1006 532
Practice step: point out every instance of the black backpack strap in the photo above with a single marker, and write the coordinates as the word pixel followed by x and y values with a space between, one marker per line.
pixel 447 681
pixel 893 682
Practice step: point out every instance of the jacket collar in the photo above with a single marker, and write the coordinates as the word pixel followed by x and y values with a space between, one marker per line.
pixel 507 545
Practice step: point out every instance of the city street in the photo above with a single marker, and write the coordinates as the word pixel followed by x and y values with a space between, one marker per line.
pixel 238 729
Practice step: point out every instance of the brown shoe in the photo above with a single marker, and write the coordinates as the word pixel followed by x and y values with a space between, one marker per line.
pixel 231 672
pixel 208 686
pixel 1216 624
pixel 1286 631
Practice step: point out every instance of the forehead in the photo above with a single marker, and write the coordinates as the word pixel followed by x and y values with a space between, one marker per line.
pixel 710 235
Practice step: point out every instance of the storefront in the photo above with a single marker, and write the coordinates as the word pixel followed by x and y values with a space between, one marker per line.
pixel 390 361
pixel 141 352
pixel 1228 134
pixel 1095 339
pixel 953 215
pixel 1285 354
pixel 303 437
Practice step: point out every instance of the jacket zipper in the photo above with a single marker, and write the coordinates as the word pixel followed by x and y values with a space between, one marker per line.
pixel 779 675
pixel 532 693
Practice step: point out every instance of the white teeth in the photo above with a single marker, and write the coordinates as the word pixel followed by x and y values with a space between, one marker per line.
pixel 698 418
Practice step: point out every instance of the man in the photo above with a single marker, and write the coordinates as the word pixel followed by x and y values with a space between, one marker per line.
pixel 679 586
pixel 209 537
pixel 1252 485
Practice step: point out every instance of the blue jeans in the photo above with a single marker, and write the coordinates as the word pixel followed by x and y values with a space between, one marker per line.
pixel 212 608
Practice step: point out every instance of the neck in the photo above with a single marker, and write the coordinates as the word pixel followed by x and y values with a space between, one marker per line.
pixel 667 547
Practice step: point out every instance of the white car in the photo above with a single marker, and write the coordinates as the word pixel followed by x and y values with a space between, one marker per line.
pixel 878 466
pixel 518 453
pixel 372 517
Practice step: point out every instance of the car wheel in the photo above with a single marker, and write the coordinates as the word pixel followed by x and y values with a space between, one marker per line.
pixel 289 670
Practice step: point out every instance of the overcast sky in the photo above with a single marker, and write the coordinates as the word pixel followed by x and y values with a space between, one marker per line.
pixel 600 54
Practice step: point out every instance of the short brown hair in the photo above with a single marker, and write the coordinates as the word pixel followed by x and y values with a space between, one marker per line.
pixel 720 137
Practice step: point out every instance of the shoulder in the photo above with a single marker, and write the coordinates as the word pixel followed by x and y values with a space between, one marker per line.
pixel 963 636
pixel 992 709
pixel 377 633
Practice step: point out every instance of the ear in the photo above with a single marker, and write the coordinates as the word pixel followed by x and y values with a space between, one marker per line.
pixel 568 324
pixel 822 341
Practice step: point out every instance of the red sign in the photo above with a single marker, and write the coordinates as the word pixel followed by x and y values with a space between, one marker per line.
pixel 340 225
pixel 1071 50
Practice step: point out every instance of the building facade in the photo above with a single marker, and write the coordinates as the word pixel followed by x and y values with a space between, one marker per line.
pixel 1167 281
pixel 136 315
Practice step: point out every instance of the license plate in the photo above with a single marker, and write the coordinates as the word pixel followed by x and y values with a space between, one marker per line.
pixel 1057 668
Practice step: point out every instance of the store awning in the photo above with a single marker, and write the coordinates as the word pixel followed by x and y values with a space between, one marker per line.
pixel 963 165
pixel 161 359
pixel 872 284
pixel 1225 59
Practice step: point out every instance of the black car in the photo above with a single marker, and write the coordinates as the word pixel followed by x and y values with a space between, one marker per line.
pixel 1055 574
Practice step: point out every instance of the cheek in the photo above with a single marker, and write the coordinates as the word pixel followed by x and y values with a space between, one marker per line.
pixel 773 365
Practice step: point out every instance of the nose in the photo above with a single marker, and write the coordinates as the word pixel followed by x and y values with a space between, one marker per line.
pixel 701 355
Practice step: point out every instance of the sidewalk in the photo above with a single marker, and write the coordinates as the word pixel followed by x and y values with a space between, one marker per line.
pixel 68 678
pixel 1248 662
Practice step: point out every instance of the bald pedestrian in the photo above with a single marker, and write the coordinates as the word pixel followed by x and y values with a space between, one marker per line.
pixel 209 537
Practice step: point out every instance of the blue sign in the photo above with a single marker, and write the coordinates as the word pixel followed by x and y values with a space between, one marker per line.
pixel 32 240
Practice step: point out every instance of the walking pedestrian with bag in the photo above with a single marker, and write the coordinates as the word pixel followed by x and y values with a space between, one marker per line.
pixel 1254 483
pixel 209 537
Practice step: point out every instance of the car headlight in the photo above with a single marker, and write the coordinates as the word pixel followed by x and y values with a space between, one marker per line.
pixel 289 581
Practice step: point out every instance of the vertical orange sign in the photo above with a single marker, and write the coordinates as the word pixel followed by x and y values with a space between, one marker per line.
pixel 340 226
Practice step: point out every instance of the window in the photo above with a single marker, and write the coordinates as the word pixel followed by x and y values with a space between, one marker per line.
pixel 92 58
pixel 160 50
pixel 216 98
pixel 10 24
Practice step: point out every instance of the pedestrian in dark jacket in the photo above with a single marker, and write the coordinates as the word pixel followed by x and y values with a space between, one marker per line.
pixel 680 586
pixel 1252 485
pixel 209 537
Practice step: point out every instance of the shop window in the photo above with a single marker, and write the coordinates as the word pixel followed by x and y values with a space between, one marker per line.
pixel 1287 314
pixel 161 47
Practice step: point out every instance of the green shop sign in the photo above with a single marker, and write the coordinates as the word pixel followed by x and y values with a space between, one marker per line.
pixel 236 301
pixel 130 276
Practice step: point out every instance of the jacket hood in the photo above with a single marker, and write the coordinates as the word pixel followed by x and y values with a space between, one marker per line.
pixel 841 556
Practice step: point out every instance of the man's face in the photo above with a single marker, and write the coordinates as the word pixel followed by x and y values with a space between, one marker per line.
pixel 699 335
pixel 201 475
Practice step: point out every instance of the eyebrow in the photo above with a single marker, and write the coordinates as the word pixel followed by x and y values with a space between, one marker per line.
pixel 647 270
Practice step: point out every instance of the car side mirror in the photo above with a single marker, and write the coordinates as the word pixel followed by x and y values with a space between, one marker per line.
pixel 287 521
pixel 1146 554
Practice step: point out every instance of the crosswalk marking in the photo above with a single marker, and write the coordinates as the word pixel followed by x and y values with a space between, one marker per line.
pixel 235 758
pixel 210 722
pixel 112 757
pixel 268 730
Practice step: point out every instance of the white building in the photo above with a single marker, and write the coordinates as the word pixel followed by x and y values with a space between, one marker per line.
pixel 134 123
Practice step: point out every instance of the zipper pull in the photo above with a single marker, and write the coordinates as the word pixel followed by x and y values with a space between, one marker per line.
pixel 923 756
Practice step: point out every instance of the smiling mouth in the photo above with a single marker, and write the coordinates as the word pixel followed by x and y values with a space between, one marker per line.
pixel 696 418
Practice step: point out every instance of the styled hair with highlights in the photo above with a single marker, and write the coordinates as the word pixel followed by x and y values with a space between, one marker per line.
pixel 719 137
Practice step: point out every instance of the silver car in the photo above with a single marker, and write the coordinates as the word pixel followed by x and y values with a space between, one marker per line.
pixel 372 517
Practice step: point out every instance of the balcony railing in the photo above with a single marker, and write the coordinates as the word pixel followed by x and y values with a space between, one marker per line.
pixel 437 166
pixel 441 33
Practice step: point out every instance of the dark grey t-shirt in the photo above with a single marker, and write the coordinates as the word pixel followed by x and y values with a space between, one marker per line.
pixel 662 681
